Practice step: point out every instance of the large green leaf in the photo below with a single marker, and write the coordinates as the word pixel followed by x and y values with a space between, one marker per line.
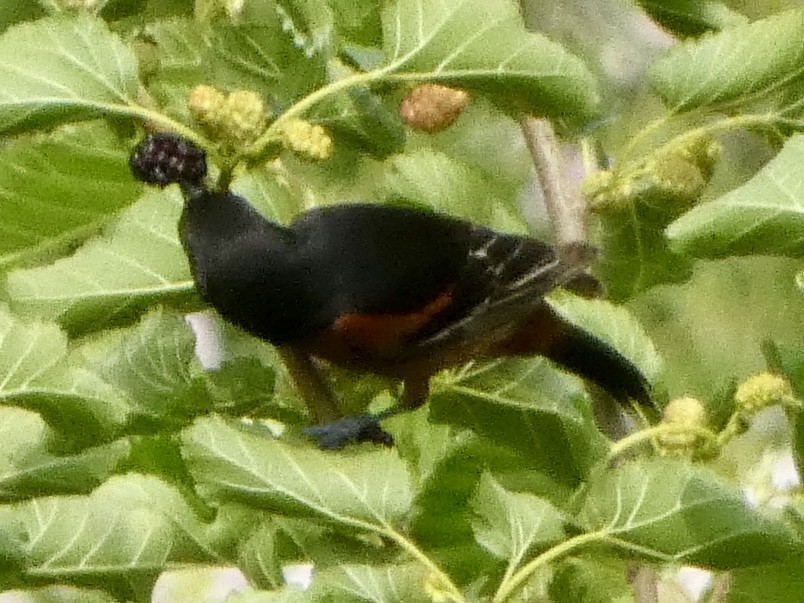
pixel 591 580
pixel 367 489
pixel 364 584
pixel 527 405
pixel 736 64
pixel 448 185
pixel 138 262
pixel 35 373
pixel 674 511
pixel 764 216
pixel 483 45
pixel 53 188
pixel 265 58
pixel 510 524
pixel 121 536
pixel 28 468
pixel 767 584
pixel 63 69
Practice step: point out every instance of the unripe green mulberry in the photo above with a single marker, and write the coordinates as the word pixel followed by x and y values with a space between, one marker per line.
pixel 689 416
pixel 433 107
pixel 673 177
pixel 307 139
pixel 236 119
pixel 242 117
pixel 206 104
pixel 761 391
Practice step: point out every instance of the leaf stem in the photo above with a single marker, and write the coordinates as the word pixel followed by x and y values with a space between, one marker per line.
pixel 651 433
pixel 509 587
pixel 451 591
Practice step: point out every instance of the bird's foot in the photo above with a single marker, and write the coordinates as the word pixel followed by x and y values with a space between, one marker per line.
pixel 360 428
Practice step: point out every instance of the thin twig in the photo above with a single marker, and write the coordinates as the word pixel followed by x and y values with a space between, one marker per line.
pixel 567 211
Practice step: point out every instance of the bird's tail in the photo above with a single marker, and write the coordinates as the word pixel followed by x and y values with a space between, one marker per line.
pixel 591 358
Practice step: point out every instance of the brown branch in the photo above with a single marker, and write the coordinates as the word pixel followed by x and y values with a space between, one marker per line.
pixel 567 210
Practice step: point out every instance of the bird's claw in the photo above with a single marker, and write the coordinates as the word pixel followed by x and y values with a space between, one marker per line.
pixel 360 428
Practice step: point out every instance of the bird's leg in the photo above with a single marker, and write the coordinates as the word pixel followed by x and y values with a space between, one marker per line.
pixel 310 383
pixel 366 428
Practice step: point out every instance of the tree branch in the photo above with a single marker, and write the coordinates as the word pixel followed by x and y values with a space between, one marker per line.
pixel 567 210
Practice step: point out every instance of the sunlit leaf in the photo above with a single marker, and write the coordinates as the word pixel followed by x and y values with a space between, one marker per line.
pixel 73 68
pixel 359 584
pixel 672 510
pixel 366 489
pixel 53 188
pixel 36 374
pixel 122 534
pixel 509 524
pixel 139 262
pixel 28 468
pixel 764 216
pixel 733 65
pixel 591 581
pixel 525 404
pixel 442 183
pixel 483 45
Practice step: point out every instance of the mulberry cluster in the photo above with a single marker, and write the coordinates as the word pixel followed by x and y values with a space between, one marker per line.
pixel 307 139
pixel 672 177
pixel 236 119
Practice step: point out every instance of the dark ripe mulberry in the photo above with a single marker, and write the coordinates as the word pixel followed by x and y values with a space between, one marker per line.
pixel 166 158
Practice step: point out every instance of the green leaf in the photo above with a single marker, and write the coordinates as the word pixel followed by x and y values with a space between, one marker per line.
pixel 54 188
pixel 73 69
pixel 636 255
pixel 510 524
pixel 367 489
pixel 764 216
pixel 138 263
pixel 483 45
pixel 734 65
pixel 29 469
pixel 767 584
pixel 358 21
pixel 360 584
pixel 150 368
pixel 527 405
pixel 674 511
pixel 441 523
pixel 310 21
pixel 588 580
pixel 442 183
pixel 360 119
pixel 122 535
pixel 263 58
pixel 288 594
pixel 613 324
pixel 175 51
pixel 16 11
pixel 35 374
pixel 692 17
pixel 60 594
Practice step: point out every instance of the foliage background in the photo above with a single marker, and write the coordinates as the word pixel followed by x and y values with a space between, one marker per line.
pixel 123 458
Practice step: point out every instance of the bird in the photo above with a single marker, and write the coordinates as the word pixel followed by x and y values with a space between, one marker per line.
pixel 391 290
